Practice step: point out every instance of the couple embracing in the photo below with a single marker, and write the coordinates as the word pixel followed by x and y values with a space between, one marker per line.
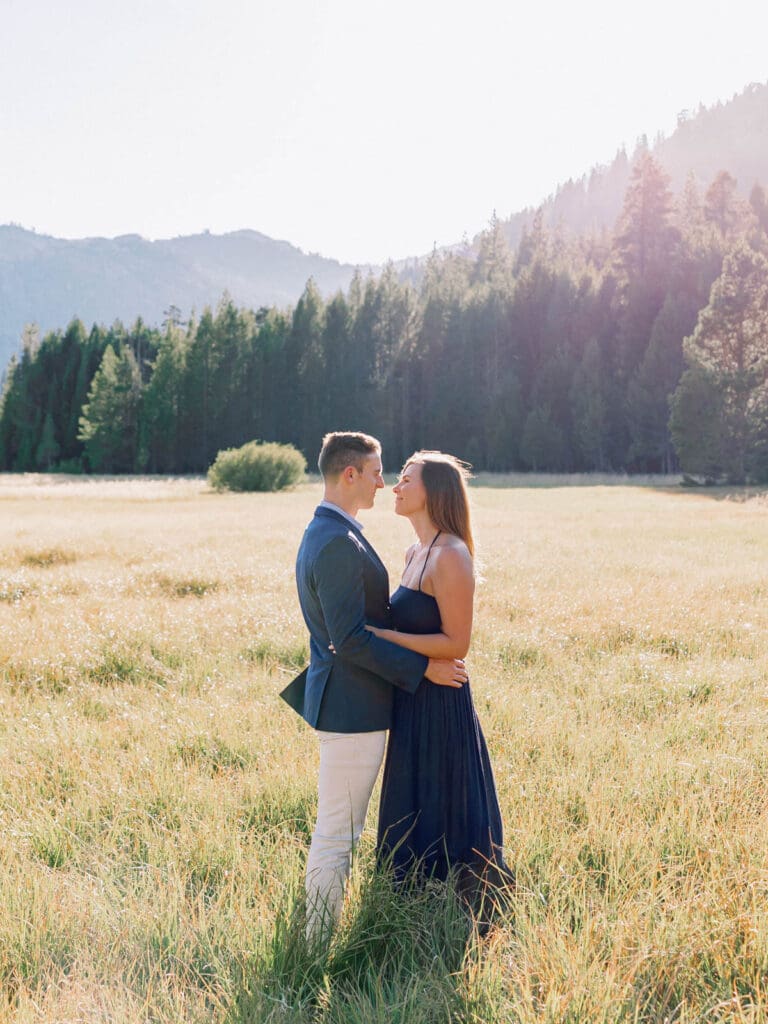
pixel 379 663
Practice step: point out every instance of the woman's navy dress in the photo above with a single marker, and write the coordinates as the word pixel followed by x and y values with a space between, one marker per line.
pixel 439 811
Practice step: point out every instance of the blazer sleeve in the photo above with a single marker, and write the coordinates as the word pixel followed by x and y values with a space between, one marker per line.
pixel 338 578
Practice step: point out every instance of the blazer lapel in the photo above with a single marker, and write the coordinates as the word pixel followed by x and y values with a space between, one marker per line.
pixel 321 510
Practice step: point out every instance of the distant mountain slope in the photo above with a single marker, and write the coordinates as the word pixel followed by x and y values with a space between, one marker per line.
pixel 731 136
pixel 49 280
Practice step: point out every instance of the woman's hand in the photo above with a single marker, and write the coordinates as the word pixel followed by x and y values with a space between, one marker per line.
pixel 376 630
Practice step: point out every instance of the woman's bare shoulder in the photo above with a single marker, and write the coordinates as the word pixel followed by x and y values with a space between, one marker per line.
pixel 450 542
pixel 453 553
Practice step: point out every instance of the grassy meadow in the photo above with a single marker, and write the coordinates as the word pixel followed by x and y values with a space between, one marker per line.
pixel 156 798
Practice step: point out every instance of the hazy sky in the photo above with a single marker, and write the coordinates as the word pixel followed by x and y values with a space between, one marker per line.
pixel 361 129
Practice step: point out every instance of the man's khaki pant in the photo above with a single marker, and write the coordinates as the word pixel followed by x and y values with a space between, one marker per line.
pixel 349 764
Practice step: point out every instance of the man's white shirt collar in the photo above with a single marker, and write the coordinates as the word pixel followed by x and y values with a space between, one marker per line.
pixel 347 516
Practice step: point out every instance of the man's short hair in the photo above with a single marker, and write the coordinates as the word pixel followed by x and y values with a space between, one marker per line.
pixel 342 448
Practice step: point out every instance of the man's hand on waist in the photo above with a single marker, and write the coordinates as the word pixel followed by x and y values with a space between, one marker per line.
pixel 447 672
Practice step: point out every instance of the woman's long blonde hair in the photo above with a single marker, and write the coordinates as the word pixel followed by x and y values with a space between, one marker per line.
pixel 445 481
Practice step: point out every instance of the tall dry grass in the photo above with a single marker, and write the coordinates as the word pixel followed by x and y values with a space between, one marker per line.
pixel 156 798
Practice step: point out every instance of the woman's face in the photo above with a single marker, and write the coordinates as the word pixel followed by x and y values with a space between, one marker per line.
pixel 410 493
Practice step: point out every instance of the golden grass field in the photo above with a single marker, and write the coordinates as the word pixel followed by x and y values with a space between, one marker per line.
pixel 156 797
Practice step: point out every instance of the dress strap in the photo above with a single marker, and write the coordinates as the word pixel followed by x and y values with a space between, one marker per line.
pixel 429 550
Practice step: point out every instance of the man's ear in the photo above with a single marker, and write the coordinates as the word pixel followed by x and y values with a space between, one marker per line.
pixel 350 474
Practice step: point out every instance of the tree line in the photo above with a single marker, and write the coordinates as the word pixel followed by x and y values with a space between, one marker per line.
pixel 640 350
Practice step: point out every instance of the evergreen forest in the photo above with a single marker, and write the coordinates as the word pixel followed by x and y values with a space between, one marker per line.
pixel 643 349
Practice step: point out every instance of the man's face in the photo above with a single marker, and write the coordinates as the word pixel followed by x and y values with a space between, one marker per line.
pixel 369 480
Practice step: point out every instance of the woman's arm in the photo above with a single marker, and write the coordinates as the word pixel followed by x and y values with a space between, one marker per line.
pixel 453 584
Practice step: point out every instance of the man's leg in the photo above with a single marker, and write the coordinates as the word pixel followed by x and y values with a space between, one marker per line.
pixel 349 764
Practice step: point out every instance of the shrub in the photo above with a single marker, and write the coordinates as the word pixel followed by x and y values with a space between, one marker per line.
pixel 257 466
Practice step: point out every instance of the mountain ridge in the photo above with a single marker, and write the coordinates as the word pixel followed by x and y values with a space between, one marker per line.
pixel 48 280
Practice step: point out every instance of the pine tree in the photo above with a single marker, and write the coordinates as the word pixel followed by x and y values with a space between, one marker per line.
pixel 87 351
pixel 646 238
pixel 542 445
pixel 342 390
pixel 690 219
pixel 590 413
pixel 722 207
pixel 48 448
pixel 654 382
pixel 696 423
pixel 503 427
pixel 108 425
pixel 197 412
pixel 275 374
pixel 232 415
pixel 730 343
pixel 9 415
pixel 494 262
pixel 436 387
pixel 306 349
pixel 161 405
pixel 22 408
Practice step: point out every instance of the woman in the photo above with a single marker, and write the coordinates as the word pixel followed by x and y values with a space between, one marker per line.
pixel 439 811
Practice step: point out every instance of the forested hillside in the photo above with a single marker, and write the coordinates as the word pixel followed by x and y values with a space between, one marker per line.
pixel 47 281
pixel 569 353
pixel 732 135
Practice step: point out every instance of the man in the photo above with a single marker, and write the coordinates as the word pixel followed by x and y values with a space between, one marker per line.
pixel 346 693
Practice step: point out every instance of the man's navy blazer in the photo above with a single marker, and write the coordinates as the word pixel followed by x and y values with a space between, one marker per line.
pixel 342 585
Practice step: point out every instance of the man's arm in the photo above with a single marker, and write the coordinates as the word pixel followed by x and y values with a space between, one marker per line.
pixel 338 577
